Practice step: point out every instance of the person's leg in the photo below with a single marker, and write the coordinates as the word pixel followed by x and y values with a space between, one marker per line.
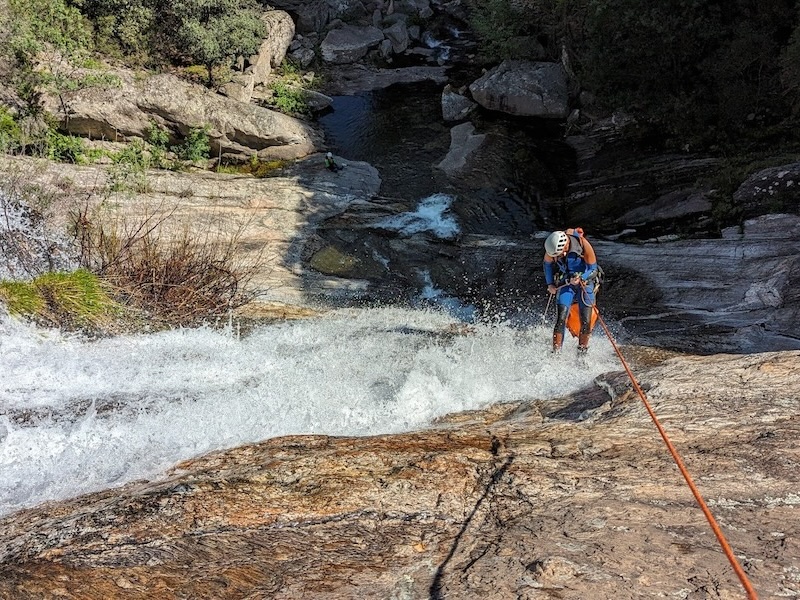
pixel 564 300
pixel 585 308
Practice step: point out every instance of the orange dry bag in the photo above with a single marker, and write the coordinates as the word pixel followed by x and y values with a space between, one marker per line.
pixel 574 320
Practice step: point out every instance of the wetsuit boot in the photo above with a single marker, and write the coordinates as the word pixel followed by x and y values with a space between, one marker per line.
pixel 583 343
pixel 558 339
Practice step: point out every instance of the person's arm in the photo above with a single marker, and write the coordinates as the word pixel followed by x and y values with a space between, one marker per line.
pixel 590 259
pixel 549 273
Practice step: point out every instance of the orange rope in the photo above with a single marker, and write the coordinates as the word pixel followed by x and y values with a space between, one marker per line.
pixel 703 506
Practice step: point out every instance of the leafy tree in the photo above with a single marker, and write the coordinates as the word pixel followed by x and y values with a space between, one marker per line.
pixel 123 27
pixel 52 33
pixel 214 32
pixel 210 33
pixel 790 69
pixel 497 24
pixel 694 68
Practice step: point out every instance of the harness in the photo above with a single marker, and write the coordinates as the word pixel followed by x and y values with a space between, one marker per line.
pixel 575 237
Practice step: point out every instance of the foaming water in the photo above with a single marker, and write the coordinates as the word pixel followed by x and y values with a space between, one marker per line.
pixel 79 416
pixel 432 214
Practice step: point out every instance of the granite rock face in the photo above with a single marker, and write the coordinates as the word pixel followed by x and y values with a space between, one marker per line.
pixel 235 129
pixel 275 219
pixel 524 88
pixel 575 497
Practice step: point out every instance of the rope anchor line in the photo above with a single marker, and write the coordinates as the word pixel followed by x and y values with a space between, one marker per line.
pixel 751 593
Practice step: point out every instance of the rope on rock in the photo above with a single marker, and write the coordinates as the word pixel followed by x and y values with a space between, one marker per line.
pixel 678 461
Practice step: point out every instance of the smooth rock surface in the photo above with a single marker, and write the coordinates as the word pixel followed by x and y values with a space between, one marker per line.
pixel 570 498
pixel 275 218
pixel 236 128
pixel 349 43
pixel 737 294
pixel 524 88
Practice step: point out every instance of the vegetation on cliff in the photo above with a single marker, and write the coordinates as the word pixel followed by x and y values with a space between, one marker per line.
pixel 130 272
pixel 697 72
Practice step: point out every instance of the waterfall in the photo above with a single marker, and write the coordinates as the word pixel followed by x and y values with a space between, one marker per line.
pixel 78 415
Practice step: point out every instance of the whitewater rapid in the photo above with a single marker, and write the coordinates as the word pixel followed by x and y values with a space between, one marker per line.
pixel 78 416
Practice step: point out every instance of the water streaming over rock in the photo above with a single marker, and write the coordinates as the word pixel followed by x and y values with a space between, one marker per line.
pixel 78 416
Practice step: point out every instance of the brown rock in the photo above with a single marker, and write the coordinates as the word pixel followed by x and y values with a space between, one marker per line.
pixel 236 129
pixel 482 506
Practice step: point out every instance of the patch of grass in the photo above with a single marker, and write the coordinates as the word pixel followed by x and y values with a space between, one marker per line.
pixel 78 299
pixel 22 298
pixel 255 167
pixel 79 295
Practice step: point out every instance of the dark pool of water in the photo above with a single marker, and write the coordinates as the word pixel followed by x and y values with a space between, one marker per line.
pixel 400 131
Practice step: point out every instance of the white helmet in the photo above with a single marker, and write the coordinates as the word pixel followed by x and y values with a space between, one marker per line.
pixel 329 155
pixel 555 243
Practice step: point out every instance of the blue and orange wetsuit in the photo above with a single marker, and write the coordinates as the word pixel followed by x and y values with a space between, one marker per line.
pixel 571 276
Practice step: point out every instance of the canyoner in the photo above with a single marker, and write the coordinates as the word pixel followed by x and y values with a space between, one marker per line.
pixel 573 278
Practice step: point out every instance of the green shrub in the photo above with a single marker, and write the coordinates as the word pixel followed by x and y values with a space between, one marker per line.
pixel 158 140
pixel 196 146
pixel 157 136
pixel 65 148
pixel 289 99
pixel 499 27
pixel 10 133
pixel 128 168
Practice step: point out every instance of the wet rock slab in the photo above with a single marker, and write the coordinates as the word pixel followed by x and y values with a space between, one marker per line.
pixel 574 497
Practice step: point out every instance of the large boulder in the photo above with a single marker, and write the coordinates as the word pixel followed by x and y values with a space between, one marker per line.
pixel 314 15
pixel 420 8
pixel 349 43
pixel 524 88
pixel 237 129
pixel 273 49
pixel 397 34
pixel 455 106
pixel 775 188
pixel 310 15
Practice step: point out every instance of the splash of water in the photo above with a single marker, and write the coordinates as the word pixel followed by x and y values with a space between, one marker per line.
pixel 78 416
pixel 27 246
pixel 432 214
